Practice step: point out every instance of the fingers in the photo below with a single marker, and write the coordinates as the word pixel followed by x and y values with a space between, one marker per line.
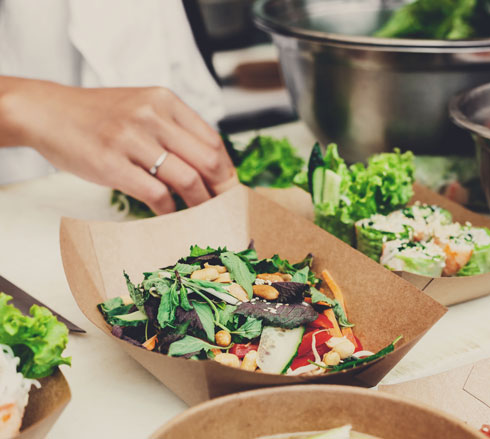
pixel 174 172
pixel 212 164
pixel 141 185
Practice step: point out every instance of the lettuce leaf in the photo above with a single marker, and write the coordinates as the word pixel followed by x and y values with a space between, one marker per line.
pixel 38 340
pixel 349 194
pixel 268 161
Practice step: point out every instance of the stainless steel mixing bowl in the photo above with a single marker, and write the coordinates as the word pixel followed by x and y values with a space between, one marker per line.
pixel 370 94
pixel 471 111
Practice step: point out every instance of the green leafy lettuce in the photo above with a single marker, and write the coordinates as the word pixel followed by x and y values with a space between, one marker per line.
pixel 344 194
pixel 38 340
pixel 439 19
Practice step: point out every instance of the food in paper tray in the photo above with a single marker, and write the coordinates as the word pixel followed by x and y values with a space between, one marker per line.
pixel 241 311
pixel 30 349
pixel 366 206
pixel 344 432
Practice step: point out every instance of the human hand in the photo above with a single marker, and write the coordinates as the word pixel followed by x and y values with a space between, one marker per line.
pixel 113 136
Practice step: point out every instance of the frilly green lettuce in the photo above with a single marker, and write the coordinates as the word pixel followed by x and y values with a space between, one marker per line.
pixel 345 194
pixel 38 340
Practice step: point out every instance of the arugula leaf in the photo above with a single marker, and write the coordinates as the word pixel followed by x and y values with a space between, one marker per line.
pixel 185 269
pixel 38 340
pixel 138 296
pixel 354 362
pixel 317 296
pixel 252 328
pixel 271 265
pixel 197 251
pixel 239 271
pixel 206 317
pixel 288 316
pixel 189 345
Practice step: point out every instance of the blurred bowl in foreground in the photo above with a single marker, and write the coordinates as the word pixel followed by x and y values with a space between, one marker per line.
pixel 471 110
pixel 370 94
pixel 302 408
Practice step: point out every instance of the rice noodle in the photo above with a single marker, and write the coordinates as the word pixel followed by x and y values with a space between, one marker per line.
pixel 14 388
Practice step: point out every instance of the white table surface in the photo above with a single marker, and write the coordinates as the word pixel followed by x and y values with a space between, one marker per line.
pixel 113 396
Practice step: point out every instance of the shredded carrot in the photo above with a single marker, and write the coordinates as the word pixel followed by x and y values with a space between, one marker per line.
pixel 150 343
pixel 335 331
pixel 337 293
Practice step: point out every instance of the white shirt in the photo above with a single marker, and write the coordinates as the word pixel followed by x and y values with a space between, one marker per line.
pixel 101 43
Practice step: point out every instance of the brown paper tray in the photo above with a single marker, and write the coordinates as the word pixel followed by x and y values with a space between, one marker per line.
pixel 381 304
pixel 248 415
pixel 45 406
pixel 446 290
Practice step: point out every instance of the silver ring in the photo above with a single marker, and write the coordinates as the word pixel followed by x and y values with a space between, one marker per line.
pixel 158 163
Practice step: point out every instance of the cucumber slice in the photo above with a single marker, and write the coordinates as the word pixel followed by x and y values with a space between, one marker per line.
pixel 133 319
pixel 318 175
pixel 278 347
pixel 331 188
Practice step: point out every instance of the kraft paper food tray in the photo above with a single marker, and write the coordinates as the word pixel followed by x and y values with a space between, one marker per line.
pixel 249 415
pixel 45 406
pixel 463 392
pixel 446 290
pixel 382 305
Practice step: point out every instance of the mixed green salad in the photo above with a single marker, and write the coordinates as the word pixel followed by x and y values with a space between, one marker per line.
pixel 31 347
pixel 439 19
pixel 264 161
pixel 366 206
pixel 241 311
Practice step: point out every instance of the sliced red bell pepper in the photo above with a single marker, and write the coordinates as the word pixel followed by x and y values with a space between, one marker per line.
pixel 321 337
pixel 305 359
pixel 240 350
pixel 358 344
pixel 322 321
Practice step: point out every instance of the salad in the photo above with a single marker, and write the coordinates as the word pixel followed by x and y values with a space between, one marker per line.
pixel 366 206
pixel 255 314
pixel 30 349
pixel 439 19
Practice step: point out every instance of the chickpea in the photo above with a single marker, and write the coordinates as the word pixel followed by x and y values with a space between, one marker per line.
pixel 250 361
pixel 223 338
pixel 345 349
pixel 331 358
pixel 227 359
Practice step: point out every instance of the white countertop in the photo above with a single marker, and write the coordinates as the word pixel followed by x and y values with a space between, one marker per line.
pixel 112 395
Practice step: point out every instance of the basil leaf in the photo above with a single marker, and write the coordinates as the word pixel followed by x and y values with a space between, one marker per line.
pixel 317 296
pixel 252 328
pixel 162 285
pixel 114 307
pixel 189 345
pixel 206 317
pixel 226 314
pixel 198 251
pixel 185 269
pixel 239 271
pixel 287 316
pixel 301 275
pixel 137 295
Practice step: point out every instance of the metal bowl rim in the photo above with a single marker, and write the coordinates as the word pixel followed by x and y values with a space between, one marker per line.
pixel 460 119
pixel 268 24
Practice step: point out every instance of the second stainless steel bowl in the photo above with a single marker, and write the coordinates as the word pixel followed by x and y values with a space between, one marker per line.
pixel 370 94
